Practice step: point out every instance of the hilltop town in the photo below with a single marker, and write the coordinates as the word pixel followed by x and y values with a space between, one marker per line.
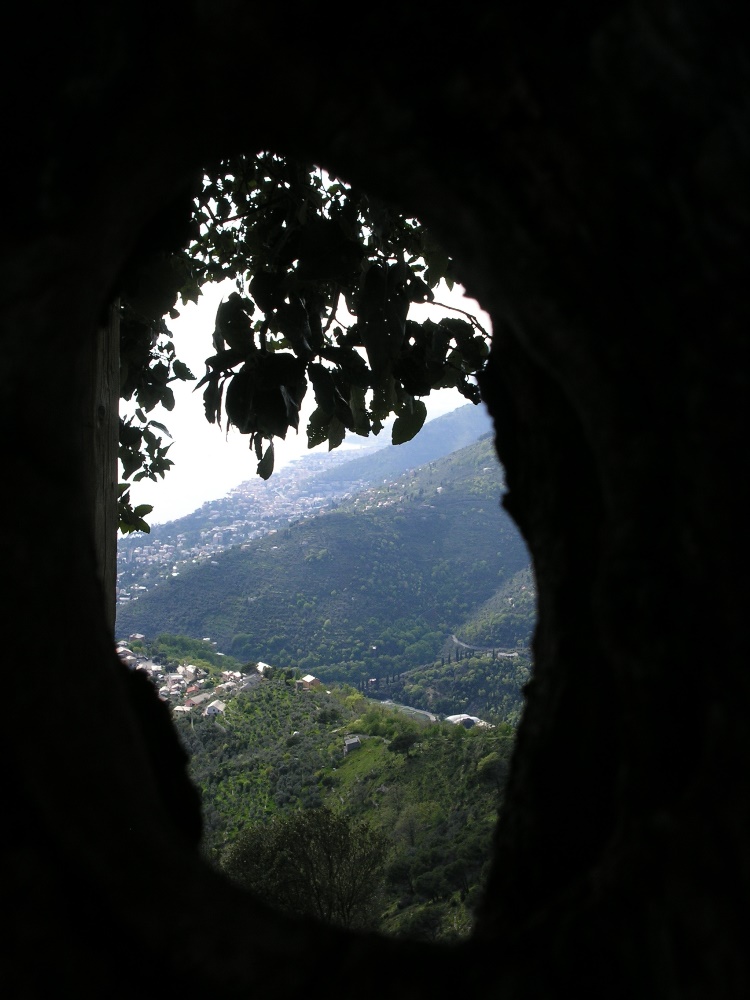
pixel 188 687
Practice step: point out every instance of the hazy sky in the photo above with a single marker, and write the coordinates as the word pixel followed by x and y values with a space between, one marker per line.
pixel 208 461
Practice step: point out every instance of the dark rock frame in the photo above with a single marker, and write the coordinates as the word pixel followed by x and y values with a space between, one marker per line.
pixel 588 167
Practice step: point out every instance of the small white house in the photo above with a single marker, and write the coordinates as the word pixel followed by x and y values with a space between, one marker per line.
pixel 215 708
pixel 307 682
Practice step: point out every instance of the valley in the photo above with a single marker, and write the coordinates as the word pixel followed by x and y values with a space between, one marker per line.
pixel 369 589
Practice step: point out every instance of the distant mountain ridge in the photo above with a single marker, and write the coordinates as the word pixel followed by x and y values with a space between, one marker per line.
pixel 438 437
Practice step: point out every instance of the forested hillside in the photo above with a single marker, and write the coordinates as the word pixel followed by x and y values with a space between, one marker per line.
pixel 369 589
pixel 429 793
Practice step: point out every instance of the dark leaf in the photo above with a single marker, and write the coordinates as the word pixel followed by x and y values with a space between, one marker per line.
pixel 292 321
pixel 182 371
pixel 224 361
pixel 317 427
pixel 233 325
pixel 336 433
pixel 416 378
pixel 409 422
pixel 358 408
pixel 323 386
pixel 240 400
pixel 292 407
pixel 166 398
pixel 372 298
pixel 267 290
pixel 212 399
pixel 265 466
pixel 160 427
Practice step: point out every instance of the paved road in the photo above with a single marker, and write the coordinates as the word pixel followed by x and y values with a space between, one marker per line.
pixel 409 710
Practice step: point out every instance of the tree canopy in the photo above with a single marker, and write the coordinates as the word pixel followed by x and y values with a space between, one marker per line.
pixel 312 863
pixel 325 276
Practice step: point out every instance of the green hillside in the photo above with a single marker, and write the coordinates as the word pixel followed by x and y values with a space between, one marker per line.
pixel 368 589
pixel 431 791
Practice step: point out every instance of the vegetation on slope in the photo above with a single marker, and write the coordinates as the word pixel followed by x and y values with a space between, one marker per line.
pixel 171 651
pixel 430 792
pixel 369 589
pixel 491 689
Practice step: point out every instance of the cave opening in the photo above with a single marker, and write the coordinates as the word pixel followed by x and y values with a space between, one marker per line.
pixel 491 655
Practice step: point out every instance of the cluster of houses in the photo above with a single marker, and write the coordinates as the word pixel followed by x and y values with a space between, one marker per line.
pixel 191 686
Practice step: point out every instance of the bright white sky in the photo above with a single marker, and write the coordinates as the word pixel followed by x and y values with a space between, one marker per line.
pixel 208 462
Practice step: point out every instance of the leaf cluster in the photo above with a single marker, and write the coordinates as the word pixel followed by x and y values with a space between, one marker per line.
pixel 325 278
pixel 302 248
pixel 148 290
